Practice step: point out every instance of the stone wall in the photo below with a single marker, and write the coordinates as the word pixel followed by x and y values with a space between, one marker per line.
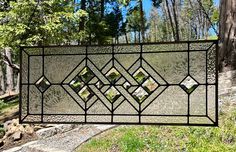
pixel 227 86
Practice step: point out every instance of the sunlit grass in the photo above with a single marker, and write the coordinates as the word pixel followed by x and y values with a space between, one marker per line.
pixel 168 138
pixel 7 104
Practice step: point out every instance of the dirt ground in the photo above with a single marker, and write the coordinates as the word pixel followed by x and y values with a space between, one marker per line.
pixel 9 113
pixel 25 139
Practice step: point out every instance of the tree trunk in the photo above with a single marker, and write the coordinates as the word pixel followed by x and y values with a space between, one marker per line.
pixel 102 8
pixel 2 82
pixel 9 71
pixel 227 35
pixel 142 21
pixel 82 7
pixel 126 38
pixel 170 18
pixel 82 22
pixel 175 20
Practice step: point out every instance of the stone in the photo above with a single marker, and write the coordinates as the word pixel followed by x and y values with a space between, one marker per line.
pixel 12 129
pixel 15 122
pixel 29 130
pixel 51 125
pixel 17 136
pixel 15 149
pixel 233 89
pixel 7 124
pixel 36 128
pixel 104 127
pixel 229 74
pixel 1 143
pixel 46 132
pixel 20 128
pixel 64 128
pixel 63 142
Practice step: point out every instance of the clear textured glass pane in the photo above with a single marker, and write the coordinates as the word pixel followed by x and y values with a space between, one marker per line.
pixel 200 46
pixel 35 100
pixel 57 68
pixel 63 118
pixel 58 101
pixel 99 49
pixel 164 119
pixel 211 64
pixel 198 66
pixel 165 47
pixel 35 68
pixel 127 49
pixel 33 51
pixel 212 102
pixel 24 101
pixel 173 101
pixel 65 50
pixel 198 101
pixel 24 67
pixel 173 67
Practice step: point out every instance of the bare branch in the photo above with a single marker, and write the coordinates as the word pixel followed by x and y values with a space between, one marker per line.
pixel 7 61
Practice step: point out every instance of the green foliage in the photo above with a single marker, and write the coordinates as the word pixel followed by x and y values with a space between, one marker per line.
pixel 28 22
pixel 134 19
pixel 7 104
pixel 168 139
pixel 215 16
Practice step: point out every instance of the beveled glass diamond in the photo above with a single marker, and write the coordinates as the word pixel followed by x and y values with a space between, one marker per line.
pixel 99 84
pixel 77 83
pixel 86 74
pixel 112 94
pixel 140 75
pixel 189 84
pixel 86 93
pixel 150 85
pixel 140 94
pixel 43 84
pixel 126 85
pixel 113 75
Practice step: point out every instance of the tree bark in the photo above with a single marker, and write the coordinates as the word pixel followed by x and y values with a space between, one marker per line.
pixel 2 82
pixel 126 38
pixel 227 35
pixel 102 8
pixel 170 18
pixel 82 7
pixel 175 20
pixel 142 21
pixel 9 71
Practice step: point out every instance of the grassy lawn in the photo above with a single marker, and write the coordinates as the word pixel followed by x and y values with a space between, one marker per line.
pixel 168 139
pixel 8 110
pixel 6 105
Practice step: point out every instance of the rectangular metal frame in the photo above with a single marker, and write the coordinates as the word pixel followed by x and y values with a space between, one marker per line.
pixel 214 123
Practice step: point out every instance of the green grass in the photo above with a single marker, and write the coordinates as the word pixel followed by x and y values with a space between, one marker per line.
pixel 4 105
pixel 167 138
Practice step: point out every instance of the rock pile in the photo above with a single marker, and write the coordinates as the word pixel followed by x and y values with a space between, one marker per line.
pixel 16 134
pixel 13 131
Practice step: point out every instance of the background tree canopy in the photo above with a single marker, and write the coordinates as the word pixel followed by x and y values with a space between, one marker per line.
pixel 58 22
